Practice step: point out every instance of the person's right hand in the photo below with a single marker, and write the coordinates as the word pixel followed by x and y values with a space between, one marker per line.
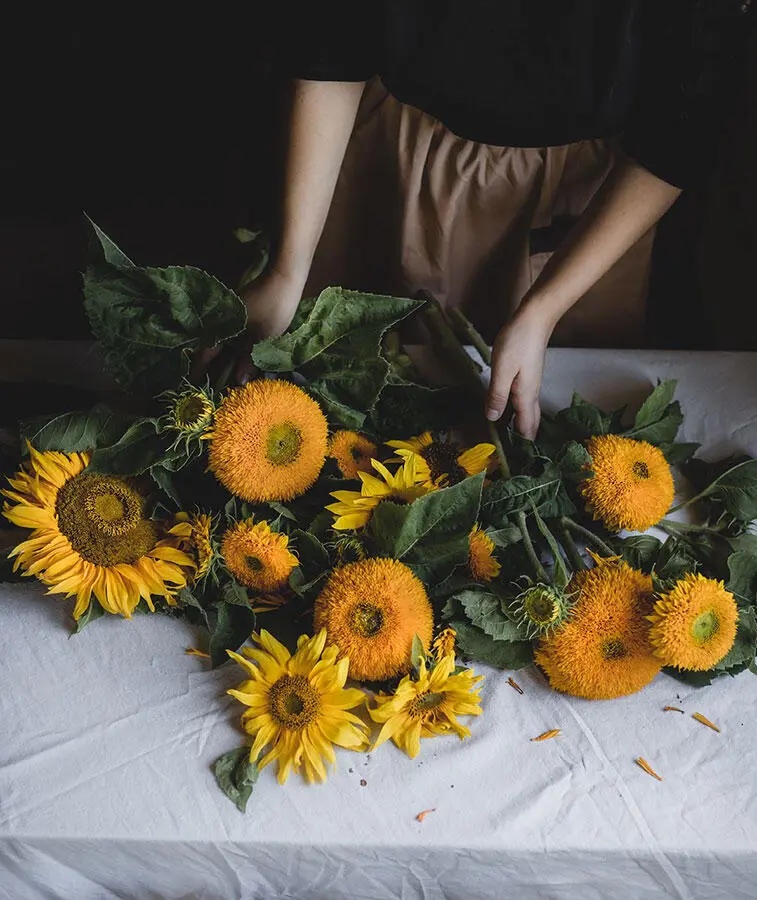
pixel 271 303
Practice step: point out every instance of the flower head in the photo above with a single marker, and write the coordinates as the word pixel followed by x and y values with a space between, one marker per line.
pixel 268 442
pixel 90 536
pixel 353 452
pixel 631 485
pixel 441 463
pixel 694 624
pixel 603 651
pixel 444 643
pixel 541 608
pixel 482 563
pixel 371 610
pixel 353 509
pixel 428 706
pixel 194 533
pixel 190 414
pixel 257 557
pixel 298 705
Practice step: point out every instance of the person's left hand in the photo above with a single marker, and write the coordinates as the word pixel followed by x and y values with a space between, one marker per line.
pixel 517 365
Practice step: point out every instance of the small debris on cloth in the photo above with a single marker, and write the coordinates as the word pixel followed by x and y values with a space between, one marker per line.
pixel 700 718
pixel 671 709
pixel 422 815
pixel 547 735
pixel 514 684
pixel 640 761
pixel 363 782
pixel 193 651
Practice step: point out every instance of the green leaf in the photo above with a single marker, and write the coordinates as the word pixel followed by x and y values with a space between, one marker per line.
pixel 503 499
pixel 417 652
pixel 148 320
pixel 404 408
pixel 429 535
pixel 505 537
pixel 584 419
pixel 259 249
pixel 233 625
pixel 737 490
pixel 236 776
pixel 574 462
pixel 76 431
pixel 678 453
pixel 474 644
pixel 485 612
pixel 742 581
pixel 744 647
pixel 140 448
pixel 560 576
pixel 313 557
pixel 640 551
pixel 336 314
pixel 654 407
pixel 164 481
pixel 674 560
pixel 664 430
pixel 695 679
pixel 93 611
pixel 107 250
pixel 236 594
pixel 187 599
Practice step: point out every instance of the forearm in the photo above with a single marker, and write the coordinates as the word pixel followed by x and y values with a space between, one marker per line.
pixel 322 117
pixel 629 203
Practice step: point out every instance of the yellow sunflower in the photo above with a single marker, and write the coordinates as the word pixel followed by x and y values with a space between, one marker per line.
pixel 90 536
pixel 268 442
pixel 632 485
pixel 482 563
pixel 694 624
pixel 353 452
pixel 372 609
pixel 444 643
pixel 441 463
pixel 603 651
pixel 427 707
pixel 298 705
pixel 353 509
pixel 256 556
pixel 195 534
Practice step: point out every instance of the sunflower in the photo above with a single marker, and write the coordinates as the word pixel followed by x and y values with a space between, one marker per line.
pixel 189 416
pixel 372 609
pixel 195 533
pixel 256 556
pixel 603 651
pixel 694 624
pixel 632 485
pixel 298 705
pixel 90 536
pixel 482 563
pixel 353 452
pixel 354 508
pixel 268 442
pixel 541 608
pixel 441 463
pixel 427 707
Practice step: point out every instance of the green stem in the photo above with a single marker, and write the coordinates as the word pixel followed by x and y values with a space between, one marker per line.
pixel 539 570
pixel 448 345
pixel 570 548
pixel 588 536
pixel 468 334
pixel 501 456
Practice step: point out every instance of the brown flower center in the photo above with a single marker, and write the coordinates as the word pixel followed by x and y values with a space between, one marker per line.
pixel 424 703
pixel 253 563
pixel 614 648
pixel 191 410
pixel 293 702
pixel 441 457
pixel 640 469
pixel 366 619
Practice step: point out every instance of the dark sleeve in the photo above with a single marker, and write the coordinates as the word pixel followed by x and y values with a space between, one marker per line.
pixel 693 54
pixel 331 41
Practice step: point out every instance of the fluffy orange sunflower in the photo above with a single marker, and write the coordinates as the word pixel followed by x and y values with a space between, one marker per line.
pixel 371 610
pixel 257 557
pixel 440 462
pixel 694 624
pixel 482 563
pixel 602 651
pixel 269 441
pixel 353 452
pixel 90 537
pixel 631 485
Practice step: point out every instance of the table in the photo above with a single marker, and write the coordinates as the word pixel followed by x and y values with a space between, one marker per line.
pixel 107 739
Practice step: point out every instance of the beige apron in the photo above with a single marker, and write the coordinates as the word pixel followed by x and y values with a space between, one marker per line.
pixel 417 207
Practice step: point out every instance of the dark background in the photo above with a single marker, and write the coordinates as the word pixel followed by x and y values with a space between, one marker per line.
pixel 168 134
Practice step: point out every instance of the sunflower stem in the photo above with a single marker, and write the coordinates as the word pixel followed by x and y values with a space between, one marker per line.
pixel 570 547
pixel 501 457
pixel 588 536
pixel 539 570
pixel 468 333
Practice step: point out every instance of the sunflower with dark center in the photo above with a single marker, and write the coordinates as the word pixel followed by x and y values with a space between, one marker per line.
pixel 189 416
pixel 442 462
pixel 269 441
pixel 258 557
pixel 352 452
pixel 90 536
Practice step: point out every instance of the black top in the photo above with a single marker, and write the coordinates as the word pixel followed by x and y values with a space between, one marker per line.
pixel 533 73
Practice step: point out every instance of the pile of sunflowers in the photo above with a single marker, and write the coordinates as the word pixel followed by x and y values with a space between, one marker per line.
pixel 351 536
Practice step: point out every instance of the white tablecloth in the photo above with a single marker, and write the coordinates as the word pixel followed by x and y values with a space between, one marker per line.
pixel 107 739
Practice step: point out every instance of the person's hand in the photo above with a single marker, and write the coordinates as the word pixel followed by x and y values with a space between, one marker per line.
pixel 271 303
pixel 517 365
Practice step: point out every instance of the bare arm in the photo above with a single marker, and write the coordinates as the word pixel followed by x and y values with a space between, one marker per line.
pixel 627 205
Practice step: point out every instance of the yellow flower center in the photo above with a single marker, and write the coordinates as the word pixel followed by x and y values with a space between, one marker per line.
pixel 283 444
pixel 614 648
pixel 424 704
pixel 293 702
pixel 191 410
pixel 367 619
pixel 705 626
pixel 640 469
pixel 102 517
pixel 540 607
pixel 441 457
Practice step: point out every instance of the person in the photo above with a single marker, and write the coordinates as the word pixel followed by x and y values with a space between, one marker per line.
pixel 529 149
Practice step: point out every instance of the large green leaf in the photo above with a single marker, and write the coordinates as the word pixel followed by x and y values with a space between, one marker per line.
pixel 106 249
pixel 149 320
pixel 742 653
pixel 236 776
pixel 654 407
pixel 76 431
pixel 431 534
pixel 664 430
pixel 139 449
pixel 742 581
pixel 404 408
pixel 640 551
pixel 474 644
pixel 336 314
pixel 232 626
pixel 736 489
pixel 503 499
pixel 485 612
